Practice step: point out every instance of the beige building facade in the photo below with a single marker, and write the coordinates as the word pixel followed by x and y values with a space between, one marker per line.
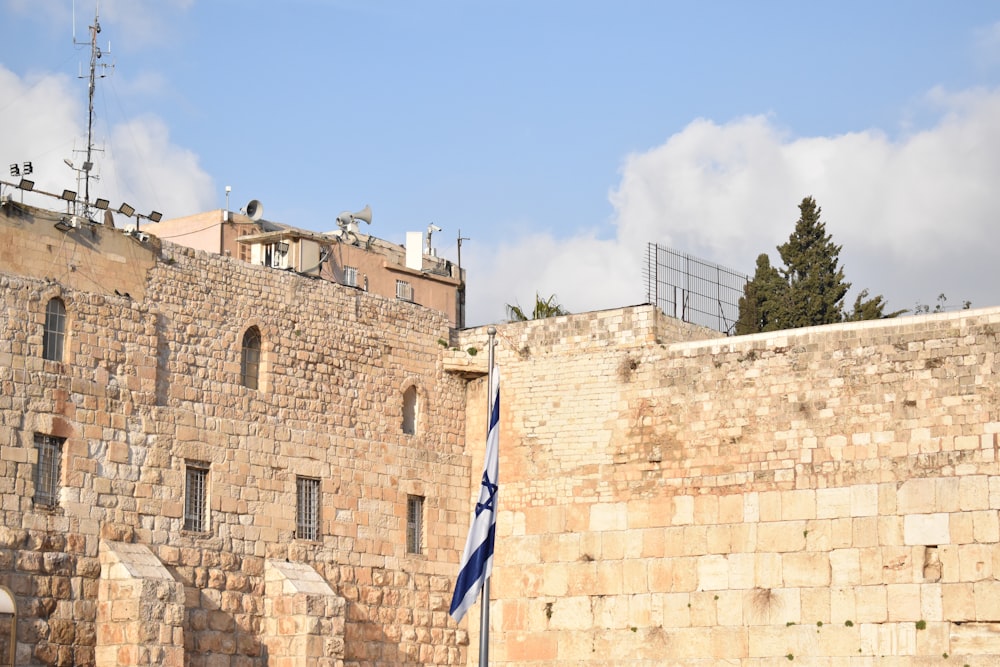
pixel 209 462
pixel 408 273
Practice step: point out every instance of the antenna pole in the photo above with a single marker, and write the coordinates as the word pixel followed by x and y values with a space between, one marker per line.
pixel 95 55
pixel 461 283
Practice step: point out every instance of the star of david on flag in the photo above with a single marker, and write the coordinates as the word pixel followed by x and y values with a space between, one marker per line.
pixel 477 560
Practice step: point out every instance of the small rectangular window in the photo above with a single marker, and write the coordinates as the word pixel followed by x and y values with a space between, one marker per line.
pixel 196 497
pixel 48 470
pixel 55 330
pixel 351 276
pixel 414 524
pixel 404 291
pixel 307 508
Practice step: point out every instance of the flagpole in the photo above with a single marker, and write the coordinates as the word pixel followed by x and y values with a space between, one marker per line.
pixel 484 609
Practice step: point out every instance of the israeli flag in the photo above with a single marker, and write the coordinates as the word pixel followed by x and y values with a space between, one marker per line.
pixel 477 560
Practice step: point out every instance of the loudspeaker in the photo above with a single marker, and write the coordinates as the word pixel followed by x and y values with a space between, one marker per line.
pixel 255 210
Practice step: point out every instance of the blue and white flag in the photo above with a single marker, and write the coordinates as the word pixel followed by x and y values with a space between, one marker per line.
pixel 477 560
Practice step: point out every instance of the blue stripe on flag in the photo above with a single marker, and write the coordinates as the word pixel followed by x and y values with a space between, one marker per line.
pixel 477 560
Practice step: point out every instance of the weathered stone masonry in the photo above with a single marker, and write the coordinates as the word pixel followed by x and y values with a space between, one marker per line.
pixel 824 496
pixel 151 385
pixel 828 496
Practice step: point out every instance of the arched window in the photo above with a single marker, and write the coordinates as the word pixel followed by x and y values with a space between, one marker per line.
pixel 410 410
pixel 55 330
pixel 250 358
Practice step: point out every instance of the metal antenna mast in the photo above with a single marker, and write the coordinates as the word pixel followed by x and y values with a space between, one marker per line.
pixel 95 55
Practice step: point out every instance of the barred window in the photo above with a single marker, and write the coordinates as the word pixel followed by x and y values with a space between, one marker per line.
pixel 250 358
pixel 307 508
pixel 351 276
pixel 55 330
pixel 404 291
pixel 48 469
pixel 410 410
pixel 415 524
pixel 196 497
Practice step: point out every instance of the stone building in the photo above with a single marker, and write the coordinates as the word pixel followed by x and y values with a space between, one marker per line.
pixel 347 257
pixel 207 462
pixel 212 463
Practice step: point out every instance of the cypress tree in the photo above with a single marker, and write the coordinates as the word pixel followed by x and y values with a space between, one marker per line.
pixel 816 285
pixel 809 289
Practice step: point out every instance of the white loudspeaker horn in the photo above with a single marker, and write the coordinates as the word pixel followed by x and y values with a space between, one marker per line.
pixel 364 214
pixel 255 210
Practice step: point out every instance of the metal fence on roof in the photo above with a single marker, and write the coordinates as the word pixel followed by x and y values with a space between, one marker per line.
pixel 692 289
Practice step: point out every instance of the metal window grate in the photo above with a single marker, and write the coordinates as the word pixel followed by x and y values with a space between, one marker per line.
pixel 55 330
pixel 351 276
pixel 196 498
pixel 414 524
pixel 307 509
pixel 250 358
pixel 47 471
pixel 404 291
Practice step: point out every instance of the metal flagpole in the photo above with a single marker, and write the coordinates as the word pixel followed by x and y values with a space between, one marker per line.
pixel 484 609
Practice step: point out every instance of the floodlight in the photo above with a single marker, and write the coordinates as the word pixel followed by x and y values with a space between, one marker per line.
pixel 126 210
pixel 155 216
pixel 26 185
pixel 281 246
pixel 64 225
pixel 68 195
pixel 102 204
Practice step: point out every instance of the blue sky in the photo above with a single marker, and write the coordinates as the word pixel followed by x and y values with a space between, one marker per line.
pixel 560 137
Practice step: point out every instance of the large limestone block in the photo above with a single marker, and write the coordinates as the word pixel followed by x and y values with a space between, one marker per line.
pixel 926 529
pixel 805 569
pixel 917 496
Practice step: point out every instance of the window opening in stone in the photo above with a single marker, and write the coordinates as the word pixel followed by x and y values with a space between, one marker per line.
pixel 410 410
pixel 414 524
pixel 196 498
pixel 307 508
pixel 250 358
pixel 8 627
pixel 48 469
pixel 55 330
pixel 351 276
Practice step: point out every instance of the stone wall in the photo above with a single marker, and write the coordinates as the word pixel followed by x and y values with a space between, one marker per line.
pixel 827 496
pixel 150 385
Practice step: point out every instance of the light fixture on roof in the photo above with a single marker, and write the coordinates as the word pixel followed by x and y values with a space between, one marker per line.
pixel 26 185
pixel 156 216
pixel 281 247
pixel 126 210
pixel 102 204
pixel 64 225
pixel 68 195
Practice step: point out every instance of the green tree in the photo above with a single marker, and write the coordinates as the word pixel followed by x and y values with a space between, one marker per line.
pixel 816 285
pixel 543 308
pixel 870 308
pixel 809 289
pixel 763 300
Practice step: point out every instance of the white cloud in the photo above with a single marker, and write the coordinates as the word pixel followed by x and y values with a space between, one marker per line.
pixel 138 164
pixel 915 215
